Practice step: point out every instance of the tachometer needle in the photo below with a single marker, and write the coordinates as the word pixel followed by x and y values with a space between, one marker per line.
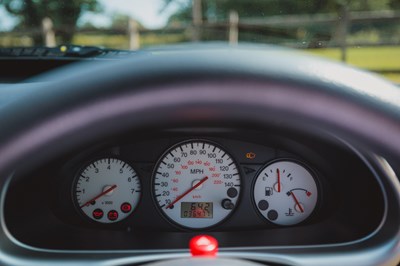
pixel 279 180
pixel 297 202
pixel 100 195
pixel 187 192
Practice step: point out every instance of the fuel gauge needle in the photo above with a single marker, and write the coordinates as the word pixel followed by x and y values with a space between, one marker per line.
pixel 99 196
pixel 297 202
pixel 187 192
pixel 279 180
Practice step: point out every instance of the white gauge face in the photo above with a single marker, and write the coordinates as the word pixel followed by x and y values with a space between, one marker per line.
pixel 196 184
pixel 107 190
pixel 285 193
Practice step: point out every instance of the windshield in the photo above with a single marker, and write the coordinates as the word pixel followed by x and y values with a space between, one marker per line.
pixel 363 33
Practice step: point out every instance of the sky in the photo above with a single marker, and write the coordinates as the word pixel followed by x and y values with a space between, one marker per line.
pixel 147 12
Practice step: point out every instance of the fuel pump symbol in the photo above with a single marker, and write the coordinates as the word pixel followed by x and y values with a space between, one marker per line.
pixel 268 191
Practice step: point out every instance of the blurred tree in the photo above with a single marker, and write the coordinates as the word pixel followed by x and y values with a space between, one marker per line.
pixel 64 14
pixel 121 21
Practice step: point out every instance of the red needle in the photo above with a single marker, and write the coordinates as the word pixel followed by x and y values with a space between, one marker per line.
pixel 187 192
pixel 279 179
pixel 297 202
pixel 98 196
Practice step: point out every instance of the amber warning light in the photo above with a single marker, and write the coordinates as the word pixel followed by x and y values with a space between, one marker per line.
pixel 250 155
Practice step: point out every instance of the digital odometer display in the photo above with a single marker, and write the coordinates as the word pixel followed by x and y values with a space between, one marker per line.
pixel 196 210
pixel 196 184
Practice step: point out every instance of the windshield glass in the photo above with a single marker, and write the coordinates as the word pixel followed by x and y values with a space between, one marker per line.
pixel 364 33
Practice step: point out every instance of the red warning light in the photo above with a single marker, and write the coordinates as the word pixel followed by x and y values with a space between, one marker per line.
pixel 204 246
pixel 126 207
pixel 97 214
pixel 250 155
pixel 112 215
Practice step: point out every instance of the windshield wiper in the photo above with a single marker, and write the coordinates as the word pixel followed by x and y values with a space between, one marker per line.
pixel 63 51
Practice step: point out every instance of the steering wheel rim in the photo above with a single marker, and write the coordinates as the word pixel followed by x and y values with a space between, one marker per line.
pixel 206 86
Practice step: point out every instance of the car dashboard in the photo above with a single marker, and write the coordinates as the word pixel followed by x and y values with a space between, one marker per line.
pixel 42 208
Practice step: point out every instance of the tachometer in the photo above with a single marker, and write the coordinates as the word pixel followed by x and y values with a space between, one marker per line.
pixel 107 190
pixel 196 184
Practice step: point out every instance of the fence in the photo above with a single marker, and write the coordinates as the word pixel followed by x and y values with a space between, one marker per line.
pixel 235 27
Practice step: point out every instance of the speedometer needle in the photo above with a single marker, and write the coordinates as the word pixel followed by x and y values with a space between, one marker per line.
pixel 100 195
pixel 187 192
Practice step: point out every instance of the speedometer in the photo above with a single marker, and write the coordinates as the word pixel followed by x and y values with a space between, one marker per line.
pixel 196 184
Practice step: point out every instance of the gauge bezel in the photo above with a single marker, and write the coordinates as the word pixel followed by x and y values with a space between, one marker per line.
pixel 313 175
pixel 76 204
pixel 164 215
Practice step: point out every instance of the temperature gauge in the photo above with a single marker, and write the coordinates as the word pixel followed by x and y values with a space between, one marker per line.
pixel 285 193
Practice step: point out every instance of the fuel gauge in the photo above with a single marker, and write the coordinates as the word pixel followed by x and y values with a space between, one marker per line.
pixel 285 192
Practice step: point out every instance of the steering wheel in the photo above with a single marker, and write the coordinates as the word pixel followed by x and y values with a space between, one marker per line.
pixel 220 85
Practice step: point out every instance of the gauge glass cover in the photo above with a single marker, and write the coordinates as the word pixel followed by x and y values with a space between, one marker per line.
pixel 196 184
pixel 107 190
pixel 285 193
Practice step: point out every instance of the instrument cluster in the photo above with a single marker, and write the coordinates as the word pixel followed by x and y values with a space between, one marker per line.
pixel 197 184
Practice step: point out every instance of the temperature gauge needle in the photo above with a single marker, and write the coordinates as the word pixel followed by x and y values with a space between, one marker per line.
pixel 297 202
pixel 99 196
pixel 279 180
pixel 187 192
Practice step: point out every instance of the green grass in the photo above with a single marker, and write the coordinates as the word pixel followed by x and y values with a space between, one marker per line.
pixel 121 41
pixel 371 58
pixel 109 41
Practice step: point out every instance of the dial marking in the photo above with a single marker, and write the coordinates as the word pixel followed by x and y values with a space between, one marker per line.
pixel 187 192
